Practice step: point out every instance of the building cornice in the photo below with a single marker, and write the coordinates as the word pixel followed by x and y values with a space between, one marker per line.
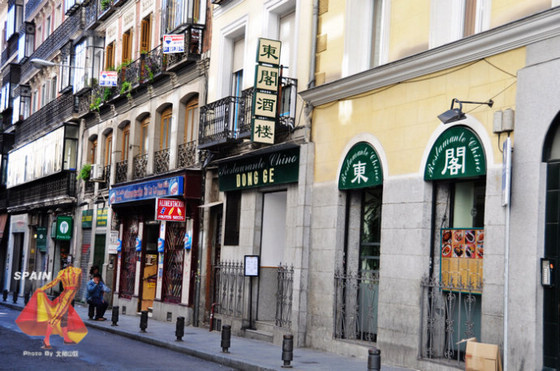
pixel 538 27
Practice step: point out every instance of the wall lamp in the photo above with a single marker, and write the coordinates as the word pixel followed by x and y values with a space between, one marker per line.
pixel 456 114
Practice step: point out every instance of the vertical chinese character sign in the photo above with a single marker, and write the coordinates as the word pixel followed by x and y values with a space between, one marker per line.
pixel 265 99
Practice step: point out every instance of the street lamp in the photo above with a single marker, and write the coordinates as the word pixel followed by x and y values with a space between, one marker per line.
pixel 41 63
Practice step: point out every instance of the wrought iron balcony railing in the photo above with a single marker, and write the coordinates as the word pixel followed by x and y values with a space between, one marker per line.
pixel 144 70
pixel 45 189
pixel 89 187
pixel 106 176
pixel 48 117
pixel 187 154
pixel 161 161
pixel 122 168
pixel 229 119
pixel 226 119
pixel 140 165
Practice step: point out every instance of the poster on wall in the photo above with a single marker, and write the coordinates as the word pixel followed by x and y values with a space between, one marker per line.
pixel 462 253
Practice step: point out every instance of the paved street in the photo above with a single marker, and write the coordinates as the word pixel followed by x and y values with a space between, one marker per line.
pixel 99 350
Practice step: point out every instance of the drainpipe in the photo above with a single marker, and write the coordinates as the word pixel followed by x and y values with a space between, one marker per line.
pixel 315 23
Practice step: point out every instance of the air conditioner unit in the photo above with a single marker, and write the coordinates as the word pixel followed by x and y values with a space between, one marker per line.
pixel 96 173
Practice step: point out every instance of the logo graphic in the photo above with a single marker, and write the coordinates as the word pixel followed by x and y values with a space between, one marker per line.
pixel 64 227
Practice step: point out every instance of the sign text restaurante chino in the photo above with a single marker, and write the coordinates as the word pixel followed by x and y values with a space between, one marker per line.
pixel 267 169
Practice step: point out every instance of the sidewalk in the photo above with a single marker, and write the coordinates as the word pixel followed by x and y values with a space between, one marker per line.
pixel 244 354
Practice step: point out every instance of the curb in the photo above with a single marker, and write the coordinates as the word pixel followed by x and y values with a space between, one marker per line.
pixel 216 358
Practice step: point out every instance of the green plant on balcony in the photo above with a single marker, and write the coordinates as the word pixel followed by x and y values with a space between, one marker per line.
pixel 149 72
pixel 107 93
pixel 123 65
pixel 85 172
pixel 105 4
pixel 125 89
pixel 94 106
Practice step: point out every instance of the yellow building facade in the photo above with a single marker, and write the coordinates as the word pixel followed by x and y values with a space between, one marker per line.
pixel 427 244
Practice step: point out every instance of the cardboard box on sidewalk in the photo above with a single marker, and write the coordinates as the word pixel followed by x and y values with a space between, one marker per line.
pixel 482 357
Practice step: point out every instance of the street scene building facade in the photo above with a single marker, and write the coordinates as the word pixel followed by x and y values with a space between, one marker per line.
pixel 341 171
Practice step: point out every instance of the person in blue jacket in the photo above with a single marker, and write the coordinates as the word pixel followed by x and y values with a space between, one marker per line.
pixel 95 290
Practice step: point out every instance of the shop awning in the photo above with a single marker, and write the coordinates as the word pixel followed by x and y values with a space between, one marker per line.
pixel 211 204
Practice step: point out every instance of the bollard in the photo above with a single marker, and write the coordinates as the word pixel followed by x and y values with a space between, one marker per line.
pixel 26 298
pixel 15 297
pixel 5 295
pixel 115 316
pixel 287 350
pixel 226 338
pixel 180 328
pixel 144 321
pixel 374 359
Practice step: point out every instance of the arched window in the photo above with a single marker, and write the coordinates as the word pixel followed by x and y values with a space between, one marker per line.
pixel 165 129
pixel 144 142
pixel 191 118
pixel 92 150
pixel 125 142
pixel 108 149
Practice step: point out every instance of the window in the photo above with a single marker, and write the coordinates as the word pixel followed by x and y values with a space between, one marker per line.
pixel 92 150
pixel 39 38
pixel 453 20
pixel 71 147
pixel 233 218
pixel 286 34
pixel 66 72
pixel 237 67
pixel 26 41
pixel 108 149
pixel 34 101
pixel 47 27
pixel 468 204
pixel 191 117
pixel 146 34
pixel 43 94
pixel 80 74
pixel 110 57
pixel 127 47
pixel 165 129
pixel 179 13
pixel 6 96
pixel 144 143
pixel 125 142
pixel 54 86
pixel 15 19
pixel 369 19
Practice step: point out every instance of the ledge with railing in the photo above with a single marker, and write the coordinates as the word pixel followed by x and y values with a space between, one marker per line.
pixel 62 184
pixel 161 161
pixel 122 168
pixel 187 154
pixel 140 165
pixel 229 119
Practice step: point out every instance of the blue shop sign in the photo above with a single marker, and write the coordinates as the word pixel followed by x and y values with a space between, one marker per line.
pixel 147 190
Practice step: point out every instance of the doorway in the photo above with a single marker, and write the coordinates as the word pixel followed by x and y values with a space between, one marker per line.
pixel 149 266
pixel 273 243
pixel 17 259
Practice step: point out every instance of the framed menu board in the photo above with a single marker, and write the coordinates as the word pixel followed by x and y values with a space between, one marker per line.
pixel 462 255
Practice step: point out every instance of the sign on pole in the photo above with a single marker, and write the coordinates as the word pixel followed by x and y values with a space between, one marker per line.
pixel 173 44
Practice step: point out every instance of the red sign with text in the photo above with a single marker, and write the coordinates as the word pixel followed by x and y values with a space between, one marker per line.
pixel 170 210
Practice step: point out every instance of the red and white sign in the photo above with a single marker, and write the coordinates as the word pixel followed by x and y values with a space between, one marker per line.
pixel 108 78
pixel 170 209
pixel 173 43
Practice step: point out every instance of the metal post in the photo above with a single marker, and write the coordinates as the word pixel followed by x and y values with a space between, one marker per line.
pixel 5 295
pixel 180 328
pixel 374 359
pixel 14 298
pixel 226 338
pixel 144 321
pixel 287 350
pixel 114 316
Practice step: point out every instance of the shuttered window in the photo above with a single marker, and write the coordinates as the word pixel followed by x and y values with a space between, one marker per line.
pixel 127 46
pixel 146 32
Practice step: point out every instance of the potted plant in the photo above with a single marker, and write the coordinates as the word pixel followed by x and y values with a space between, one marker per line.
pixel 85 172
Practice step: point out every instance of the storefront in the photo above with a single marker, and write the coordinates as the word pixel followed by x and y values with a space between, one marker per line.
pixel 157 245
pixel 263 222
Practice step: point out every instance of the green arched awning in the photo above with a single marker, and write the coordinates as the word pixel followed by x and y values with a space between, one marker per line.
pixel 457 153
pixel 361 168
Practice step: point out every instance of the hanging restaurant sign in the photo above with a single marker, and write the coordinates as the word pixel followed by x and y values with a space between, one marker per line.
pixel 265 99
pixel 271 168
pixel 457 153
pixel 361 168
pixel 147 190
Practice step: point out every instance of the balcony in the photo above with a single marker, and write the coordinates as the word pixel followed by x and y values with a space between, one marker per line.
pixel 161 161
pixel 140 165
pixel 53 43
pixel 226 120
pixel 187 155
pixel 122 168
pixel 229 119
pixel 150 67
pixel 106 174
pixel 50 188
pixel 52 115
